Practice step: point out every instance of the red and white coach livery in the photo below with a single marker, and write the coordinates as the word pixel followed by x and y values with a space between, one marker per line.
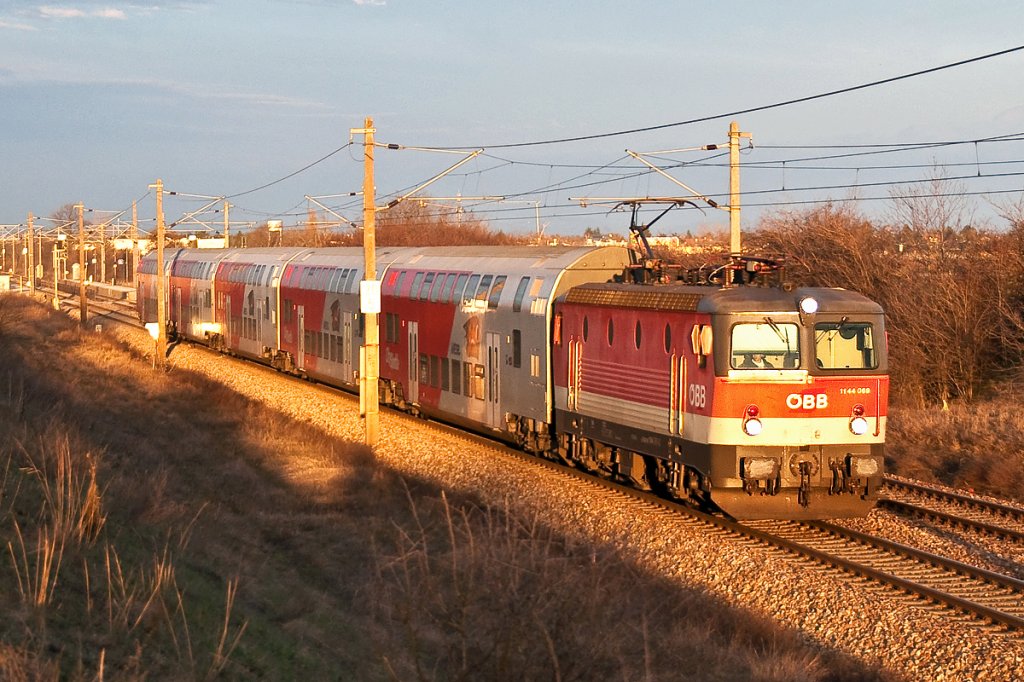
pixel 766 401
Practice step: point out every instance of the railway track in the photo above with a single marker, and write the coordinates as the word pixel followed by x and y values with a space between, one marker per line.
pixel 988 598
pixel 985 596
pixel 911 498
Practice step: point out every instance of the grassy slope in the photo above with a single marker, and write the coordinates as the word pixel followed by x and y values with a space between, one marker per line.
pixel 978 446
pixel 358 575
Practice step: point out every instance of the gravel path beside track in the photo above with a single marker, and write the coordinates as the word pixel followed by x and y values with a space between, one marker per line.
pixel 851 615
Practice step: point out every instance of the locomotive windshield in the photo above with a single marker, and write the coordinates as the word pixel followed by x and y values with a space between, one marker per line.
pixel 765 345
pixel 845 345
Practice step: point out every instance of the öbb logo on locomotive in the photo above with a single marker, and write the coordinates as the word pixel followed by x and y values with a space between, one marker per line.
pixel 714 383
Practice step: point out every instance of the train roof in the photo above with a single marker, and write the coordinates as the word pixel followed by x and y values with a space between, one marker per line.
pixel 720 300
pixel 478 258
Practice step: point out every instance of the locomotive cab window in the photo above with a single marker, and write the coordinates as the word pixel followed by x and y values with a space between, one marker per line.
pixel 765 345
pixel 844 345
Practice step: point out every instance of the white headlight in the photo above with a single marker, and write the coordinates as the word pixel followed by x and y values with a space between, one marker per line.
pixel 752 427
pixel 808 305
pixel 859 426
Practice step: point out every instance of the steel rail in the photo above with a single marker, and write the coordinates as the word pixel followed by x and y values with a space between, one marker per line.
pixel 1016 513
pixel 910 509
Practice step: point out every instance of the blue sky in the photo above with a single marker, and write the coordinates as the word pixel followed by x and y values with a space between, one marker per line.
pixel 100 98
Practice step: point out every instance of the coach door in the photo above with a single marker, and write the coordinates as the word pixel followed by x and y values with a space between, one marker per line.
pixel 179 321
pixel 227 319
pixel 677 394
pixel 346 348
pixel 414 362
pixel 300 337
pixel 493 379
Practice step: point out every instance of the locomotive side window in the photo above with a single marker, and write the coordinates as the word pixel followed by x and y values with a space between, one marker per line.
pixel 611 331
pixel 586 327
pixel 765 345
pixel 668 338
pixel 637 335
pixel 844 345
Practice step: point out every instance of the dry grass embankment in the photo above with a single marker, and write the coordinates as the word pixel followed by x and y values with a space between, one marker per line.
pixel 979 446
pixel 149 527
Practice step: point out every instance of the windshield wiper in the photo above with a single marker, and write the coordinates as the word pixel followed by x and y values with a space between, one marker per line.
pixel 778 332
pixel 838 329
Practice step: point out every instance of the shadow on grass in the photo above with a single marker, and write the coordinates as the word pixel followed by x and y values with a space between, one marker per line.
pixel 344 568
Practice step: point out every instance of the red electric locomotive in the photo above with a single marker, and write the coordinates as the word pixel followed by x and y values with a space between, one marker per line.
pixel 768 402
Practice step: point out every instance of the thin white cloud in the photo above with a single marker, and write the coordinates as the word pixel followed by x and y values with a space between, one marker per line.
pixel 60 12
pixel 54 12
pixel 16 26
pixel 378 3
pixel 109 13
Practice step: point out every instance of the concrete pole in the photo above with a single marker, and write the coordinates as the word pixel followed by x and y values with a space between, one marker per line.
pixel 371 340
pixel 31 257
pixel 161 274
pixel 135 242
pixel 227 232
pixel 83 300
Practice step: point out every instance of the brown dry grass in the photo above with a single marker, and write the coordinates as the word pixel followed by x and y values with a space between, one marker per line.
pixel 206 536
pixel 979 446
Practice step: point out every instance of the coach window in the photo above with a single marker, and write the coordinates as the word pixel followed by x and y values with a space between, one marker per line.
pixel 517 302
pixel 467 296
pixel 478 381
pixel 435 293
pixel 399 282
pixel 456 376
pixel 495 295
pixel 485 285
pixel 517 348
pixel 844 345
pixel 425 289
pixel 414 290
pixel 435 371
pixel 424 369
pixel 446 290
pixel 460 284
pixel 444 374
